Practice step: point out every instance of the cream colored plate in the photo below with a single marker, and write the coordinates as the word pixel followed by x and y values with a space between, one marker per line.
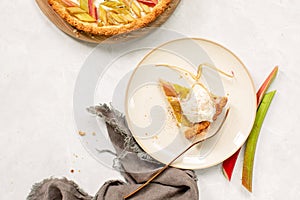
pixel 152 123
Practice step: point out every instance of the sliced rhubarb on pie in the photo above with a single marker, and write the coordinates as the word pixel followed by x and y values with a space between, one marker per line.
pixel 109 17
pixel 175 94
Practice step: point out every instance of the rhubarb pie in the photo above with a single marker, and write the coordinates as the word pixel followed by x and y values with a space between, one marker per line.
pixel 109 17
pixel 194 108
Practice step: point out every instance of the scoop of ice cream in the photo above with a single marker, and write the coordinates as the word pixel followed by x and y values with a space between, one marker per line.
pixel 199 105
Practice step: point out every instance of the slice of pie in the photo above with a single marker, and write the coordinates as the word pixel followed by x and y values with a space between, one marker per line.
pixel 194 108
pixel 109 17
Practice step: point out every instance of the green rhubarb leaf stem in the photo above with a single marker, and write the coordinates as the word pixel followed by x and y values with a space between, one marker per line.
pixel 252 140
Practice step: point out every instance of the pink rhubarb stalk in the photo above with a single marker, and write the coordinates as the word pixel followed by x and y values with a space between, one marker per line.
pixel 150 3
pixel 92 9
pixel 262 90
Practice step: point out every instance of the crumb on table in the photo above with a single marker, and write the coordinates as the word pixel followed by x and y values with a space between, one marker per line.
pixel 81 133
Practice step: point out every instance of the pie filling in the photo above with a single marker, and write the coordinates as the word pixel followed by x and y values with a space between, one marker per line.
pixel 109 12
pixel 194 108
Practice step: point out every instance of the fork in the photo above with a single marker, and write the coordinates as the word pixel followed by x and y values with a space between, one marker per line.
pixel 183 152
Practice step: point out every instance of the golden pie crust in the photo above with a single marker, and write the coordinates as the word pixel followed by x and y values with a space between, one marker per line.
pixel 93 28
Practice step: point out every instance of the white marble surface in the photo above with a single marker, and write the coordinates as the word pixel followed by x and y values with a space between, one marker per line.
pixel 39 66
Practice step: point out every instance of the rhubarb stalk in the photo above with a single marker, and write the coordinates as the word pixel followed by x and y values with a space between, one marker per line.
pixel 262 90
pixel 228 164
pixel 252 140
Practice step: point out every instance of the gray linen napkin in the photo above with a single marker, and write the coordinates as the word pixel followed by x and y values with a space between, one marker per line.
pixel 135 165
